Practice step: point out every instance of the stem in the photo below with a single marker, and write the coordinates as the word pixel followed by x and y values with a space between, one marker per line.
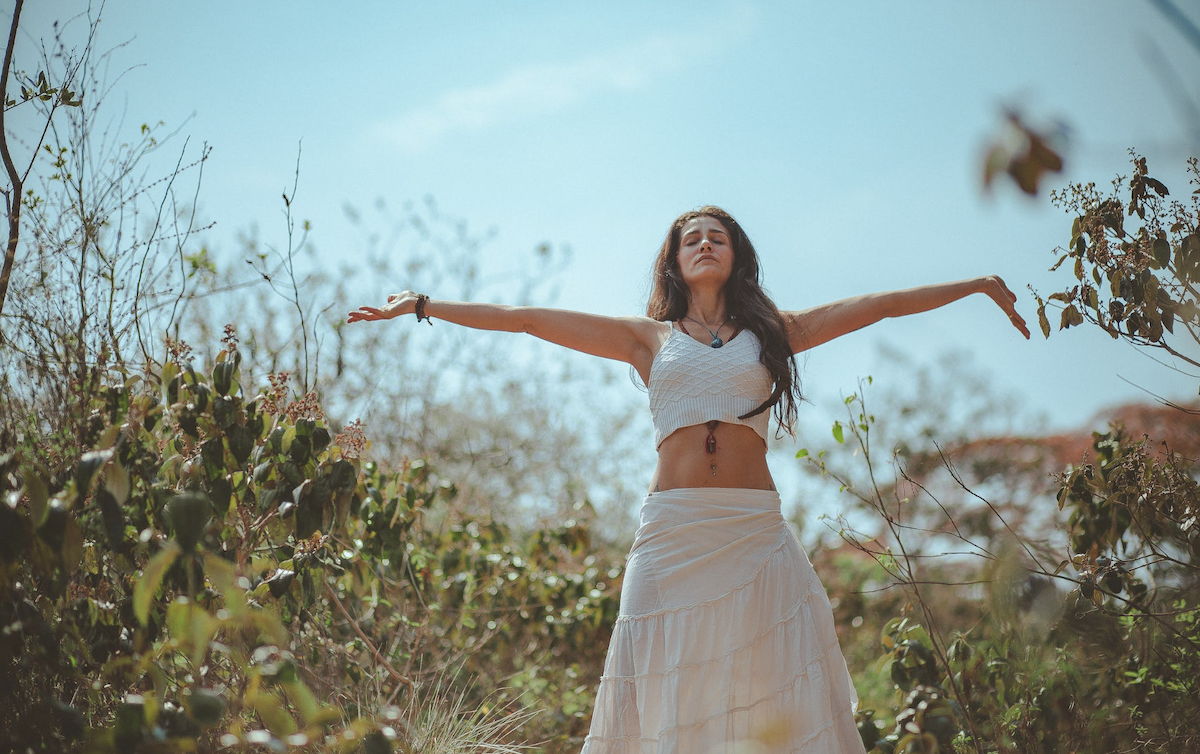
pixel 370 644
pixel 894 525
pixel 14 202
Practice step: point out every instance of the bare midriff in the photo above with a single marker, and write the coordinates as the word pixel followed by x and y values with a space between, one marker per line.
pixel 740 459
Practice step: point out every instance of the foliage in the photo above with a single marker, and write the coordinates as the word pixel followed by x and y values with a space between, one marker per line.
pixel 497 411
pixel 1025 625
pixel 224 569
pixel 1024 154
pixel 183 566
pixel 1000 648
pixel 1135 279
pixel 37 92
pixel 104 249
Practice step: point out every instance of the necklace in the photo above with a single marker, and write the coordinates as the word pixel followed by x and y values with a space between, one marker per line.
pixel 716 339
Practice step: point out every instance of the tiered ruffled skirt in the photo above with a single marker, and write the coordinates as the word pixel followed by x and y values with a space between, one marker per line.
pixel 725 640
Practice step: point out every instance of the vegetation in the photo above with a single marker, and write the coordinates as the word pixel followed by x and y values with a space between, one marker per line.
pixel 1047 588
pixel 224 569
pixel 195 554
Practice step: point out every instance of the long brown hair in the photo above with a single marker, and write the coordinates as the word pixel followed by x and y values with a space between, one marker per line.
pixel 746 304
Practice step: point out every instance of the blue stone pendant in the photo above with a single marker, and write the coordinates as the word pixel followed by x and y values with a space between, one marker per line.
pixel 717 343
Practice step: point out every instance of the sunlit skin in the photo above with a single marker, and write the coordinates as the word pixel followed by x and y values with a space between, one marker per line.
pixel 706 259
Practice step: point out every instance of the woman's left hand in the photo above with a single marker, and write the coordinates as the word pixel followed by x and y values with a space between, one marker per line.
pixel 404 302
pixel 1006 300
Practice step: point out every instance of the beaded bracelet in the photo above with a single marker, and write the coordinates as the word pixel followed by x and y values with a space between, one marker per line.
pixel 421 300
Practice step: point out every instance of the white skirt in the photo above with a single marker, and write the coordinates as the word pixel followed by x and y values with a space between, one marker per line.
pixel 725 639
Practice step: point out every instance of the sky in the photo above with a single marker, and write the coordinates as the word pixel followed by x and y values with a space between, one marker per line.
pixel 847 138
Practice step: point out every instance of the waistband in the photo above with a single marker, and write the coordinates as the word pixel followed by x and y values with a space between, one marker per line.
pixel 717 494
pixel 737 497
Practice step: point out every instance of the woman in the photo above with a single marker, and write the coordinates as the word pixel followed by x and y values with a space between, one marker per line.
pixel 725 633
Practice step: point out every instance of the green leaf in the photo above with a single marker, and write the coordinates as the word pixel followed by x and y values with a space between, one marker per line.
pixel 189 513
pixel 170 371
pixel 271 711
pixel 179 617
pixel 131 718
pixel 53 529
pixel 204 627
pixel 116 479
pixel 289 435
pixel 35 489
pixel 303 700
pixel 802 453
pixel 343 476
pixel 225 580
pixel 206 706
pixel 72 546
pixel 1162 251
pixel 280 582
pixel 87 467
pixel 152 576
pixel 222 377
pixel 837 433
pixel 241 442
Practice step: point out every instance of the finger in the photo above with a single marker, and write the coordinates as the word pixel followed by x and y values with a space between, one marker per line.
pixel 1019 322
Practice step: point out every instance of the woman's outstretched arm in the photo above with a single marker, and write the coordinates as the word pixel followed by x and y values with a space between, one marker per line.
pixel 633 340
pixel 821 324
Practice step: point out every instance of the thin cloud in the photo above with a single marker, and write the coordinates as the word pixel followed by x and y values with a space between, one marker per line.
pixel 534 91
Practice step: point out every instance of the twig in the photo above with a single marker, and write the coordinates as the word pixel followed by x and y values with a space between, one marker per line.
pixel 370 645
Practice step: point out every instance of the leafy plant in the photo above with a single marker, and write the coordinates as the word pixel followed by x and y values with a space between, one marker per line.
pixel 1136 279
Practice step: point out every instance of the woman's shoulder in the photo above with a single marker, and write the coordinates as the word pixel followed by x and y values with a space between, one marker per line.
pixel 653 328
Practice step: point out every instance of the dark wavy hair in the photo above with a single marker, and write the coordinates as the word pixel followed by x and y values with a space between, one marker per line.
pixel 746 304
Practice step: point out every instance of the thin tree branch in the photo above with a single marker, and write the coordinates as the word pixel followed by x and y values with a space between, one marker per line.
pixel 367 641
pixel 14 177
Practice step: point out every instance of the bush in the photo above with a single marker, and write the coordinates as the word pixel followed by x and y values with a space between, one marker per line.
pixel 218 569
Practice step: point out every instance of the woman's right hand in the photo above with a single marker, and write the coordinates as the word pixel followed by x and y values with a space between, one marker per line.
pixel 994 287
pixel 404 302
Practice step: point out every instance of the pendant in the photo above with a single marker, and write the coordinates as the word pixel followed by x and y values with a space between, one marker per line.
pixel 717 342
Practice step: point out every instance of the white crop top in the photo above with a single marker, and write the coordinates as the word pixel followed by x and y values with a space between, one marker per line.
pixel 693 383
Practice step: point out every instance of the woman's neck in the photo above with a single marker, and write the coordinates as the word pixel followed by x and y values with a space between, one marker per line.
pixel 708 307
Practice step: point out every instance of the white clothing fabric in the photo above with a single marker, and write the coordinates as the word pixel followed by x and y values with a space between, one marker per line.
pixel 725 637
pixel 693 383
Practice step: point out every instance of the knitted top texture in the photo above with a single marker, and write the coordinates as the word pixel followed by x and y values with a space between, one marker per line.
pixel 692 383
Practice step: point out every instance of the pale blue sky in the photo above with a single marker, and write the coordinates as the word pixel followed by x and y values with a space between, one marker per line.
pixel 846 137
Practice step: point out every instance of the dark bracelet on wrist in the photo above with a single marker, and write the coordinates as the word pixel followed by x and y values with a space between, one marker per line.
pixel 421 300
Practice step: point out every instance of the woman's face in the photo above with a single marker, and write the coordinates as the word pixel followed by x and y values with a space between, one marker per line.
pixel 705 253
